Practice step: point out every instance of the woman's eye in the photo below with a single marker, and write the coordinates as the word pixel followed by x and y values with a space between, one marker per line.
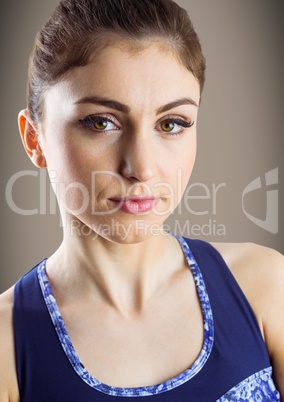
pixel 174 126
pixel 99 123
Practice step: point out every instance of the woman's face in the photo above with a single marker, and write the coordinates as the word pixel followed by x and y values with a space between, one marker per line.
pixel 119 138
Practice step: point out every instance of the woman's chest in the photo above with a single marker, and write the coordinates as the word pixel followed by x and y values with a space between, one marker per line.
pixel 140 350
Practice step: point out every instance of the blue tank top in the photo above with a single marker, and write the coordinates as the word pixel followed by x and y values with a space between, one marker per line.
pixel 233 364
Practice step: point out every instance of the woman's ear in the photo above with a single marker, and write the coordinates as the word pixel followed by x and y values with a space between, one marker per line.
pixel 30 139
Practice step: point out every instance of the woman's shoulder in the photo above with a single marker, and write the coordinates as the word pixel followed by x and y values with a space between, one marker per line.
pixel 252 252
pixel 8 377
pixel 252 262
pixel 259 272
pixel 6 317
pixel 6 309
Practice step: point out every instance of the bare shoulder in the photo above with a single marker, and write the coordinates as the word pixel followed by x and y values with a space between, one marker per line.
pixel 259 271
pixel 8 378
pixel 254 254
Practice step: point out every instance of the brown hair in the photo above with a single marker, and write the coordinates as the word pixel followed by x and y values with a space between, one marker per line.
pixel 79 27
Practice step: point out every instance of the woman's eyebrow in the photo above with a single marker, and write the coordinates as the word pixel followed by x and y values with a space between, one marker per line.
pixel 179 102
pixel 112 104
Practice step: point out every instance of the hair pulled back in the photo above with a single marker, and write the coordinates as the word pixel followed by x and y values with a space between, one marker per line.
pixel 78 28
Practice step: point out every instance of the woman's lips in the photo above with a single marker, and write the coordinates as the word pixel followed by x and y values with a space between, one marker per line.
pixel 135 205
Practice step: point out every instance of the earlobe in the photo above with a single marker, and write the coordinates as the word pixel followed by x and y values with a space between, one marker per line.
pixel 30 139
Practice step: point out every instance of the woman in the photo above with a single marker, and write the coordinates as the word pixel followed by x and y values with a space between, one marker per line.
pixel 123 309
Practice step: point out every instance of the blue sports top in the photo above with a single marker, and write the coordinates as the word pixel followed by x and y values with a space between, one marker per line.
pixel 233 364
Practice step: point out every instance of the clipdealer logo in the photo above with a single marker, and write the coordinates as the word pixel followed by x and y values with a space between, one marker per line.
pixel 198 199
pixel 271 221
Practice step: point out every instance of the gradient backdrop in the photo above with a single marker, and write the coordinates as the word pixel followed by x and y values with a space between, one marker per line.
pixel 240 130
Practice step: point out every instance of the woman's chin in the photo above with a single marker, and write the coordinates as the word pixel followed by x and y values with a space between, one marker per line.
pixel 132 235
pixel 125 229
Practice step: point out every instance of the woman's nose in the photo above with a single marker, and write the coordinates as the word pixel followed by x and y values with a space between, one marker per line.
pixel 138 159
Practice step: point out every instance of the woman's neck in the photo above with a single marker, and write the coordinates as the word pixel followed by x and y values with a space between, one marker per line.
pixel 125 276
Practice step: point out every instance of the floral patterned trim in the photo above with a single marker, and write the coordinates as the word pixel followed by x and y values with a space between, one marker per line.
pixel 258 387
pixel 140 391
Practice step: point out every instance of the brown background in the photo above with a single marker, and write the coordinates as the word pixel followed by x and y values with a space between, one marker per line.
pixel 240 125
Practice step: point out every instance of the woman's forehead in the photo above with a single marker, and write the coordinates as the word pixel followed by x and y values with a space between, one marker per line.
pixel 152 71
